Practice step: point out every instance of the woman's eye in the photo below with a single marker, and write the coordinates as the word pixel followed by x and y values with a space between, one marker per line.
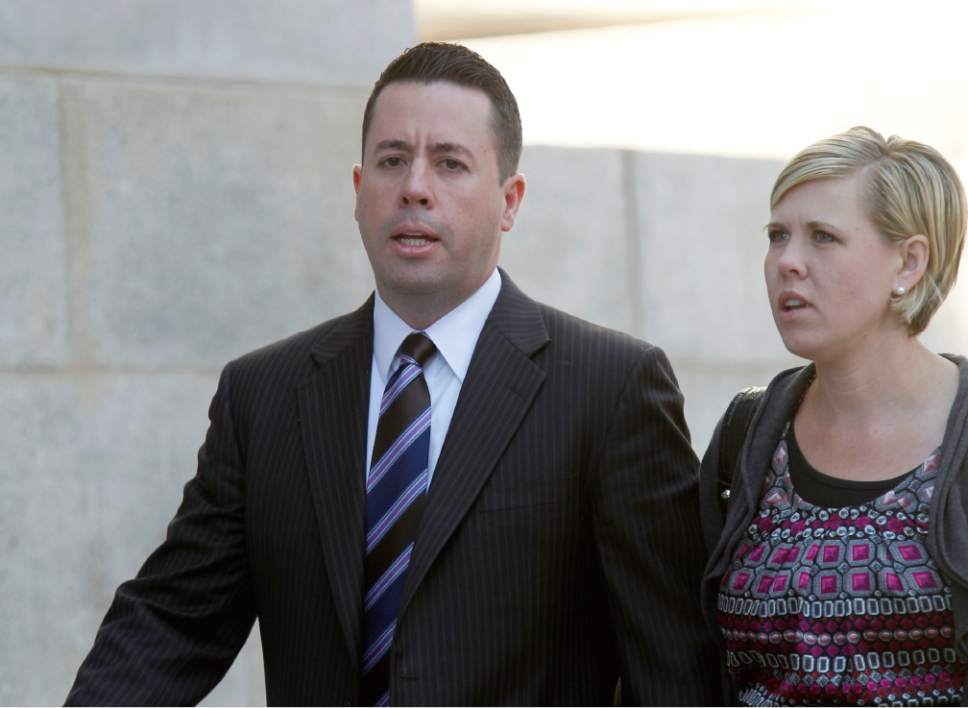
pixel 776 235
pixel 823 237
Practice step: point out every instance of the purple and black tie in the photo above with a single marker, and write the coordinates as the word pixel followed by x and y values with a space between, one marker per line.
pixel 395 491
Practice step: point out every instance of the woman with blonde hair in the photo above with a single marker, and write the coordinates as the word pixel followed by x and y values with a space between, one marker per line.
pixel 834 501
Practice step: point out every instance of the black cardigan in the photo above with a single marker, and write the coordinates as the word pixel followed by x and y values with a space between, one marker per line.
pixel 947 540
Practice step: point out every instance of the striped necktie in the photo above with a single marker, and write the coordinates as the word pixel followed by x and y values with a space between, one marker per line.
pixel 395 490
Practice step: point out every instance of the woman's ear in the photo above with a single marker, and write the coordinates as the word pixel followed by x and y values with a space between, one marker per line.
pixel 914 253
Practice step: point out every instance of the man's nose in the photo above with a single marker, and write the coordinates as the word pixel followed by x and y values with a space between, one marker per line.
pixel 417 186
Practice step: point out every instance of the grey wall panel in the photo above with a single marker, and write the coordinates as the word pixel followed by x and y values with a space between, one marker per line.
pixel 323 42
pixel 175 190
pixel 572 243
pixel 34 288
pixel 93 470
pixel 214 219
pixel 701 228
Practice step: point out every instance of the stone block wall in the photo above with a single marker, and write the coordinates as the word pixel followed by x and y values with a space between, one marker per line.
pixel 175 189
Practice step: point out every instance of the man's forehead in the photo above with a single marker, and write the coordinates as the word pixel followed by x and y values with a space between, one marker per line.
pixel 414 85
pixel 453 97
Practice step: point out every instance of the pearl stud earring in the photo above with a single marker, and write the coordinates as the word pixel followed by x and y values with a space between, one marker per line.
pixel 899 290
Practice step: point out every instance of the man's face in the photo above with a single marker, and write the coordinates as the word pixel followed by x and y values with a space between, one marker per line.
pixel 429 202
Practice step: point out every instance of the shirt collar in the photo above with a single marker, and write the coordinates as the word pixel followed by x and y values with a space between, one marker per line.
pixel 455 334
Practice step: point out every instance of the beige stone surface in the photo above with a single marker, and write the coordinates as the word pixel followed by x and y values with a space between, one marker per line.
pixel 572 244
pixel 210 219
pixel 34 288
pixel 320 42
pixel 701 231
pixel 90 498
pixel 175 189
pixel 93 470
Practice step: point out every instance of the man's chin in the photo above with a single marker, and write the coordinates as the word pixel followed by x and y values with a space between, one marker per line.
pixel 417 283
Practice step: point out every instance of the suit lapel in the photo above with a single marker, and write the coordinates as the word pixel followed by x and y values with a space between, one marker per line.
pixel 333 406
pixel 501 382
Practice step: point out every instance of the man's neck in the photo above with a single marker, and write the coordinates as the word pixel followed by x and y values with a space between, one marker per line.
pixel 421 310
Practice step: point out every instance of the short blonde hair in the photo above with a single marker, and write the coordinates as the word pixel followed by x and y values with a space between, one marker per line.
pixel 911 189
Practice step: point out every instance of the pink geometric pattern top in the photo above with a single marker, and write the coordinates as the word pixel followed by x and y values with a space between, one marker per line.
pixel 840 606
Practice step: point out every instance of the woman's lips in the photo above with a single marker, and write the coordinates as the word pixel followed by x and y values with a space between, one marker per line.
pixel 789 304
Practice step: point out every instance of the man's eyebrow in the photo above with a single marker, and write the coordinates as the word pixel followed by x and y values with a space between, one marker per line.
pixel 456 148
pixel 436 148
pixel 393 145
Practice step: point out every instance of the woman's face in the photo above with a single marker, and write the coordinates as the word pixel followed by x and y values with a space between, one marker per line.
pixel 829 271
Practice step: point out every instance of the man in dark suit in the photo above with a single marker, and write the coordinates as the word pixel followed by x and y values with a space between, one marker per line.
pixel 454 495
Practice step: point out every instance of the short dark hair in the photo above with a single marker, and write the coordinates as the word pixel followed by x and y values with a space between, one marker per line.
pixel 429 62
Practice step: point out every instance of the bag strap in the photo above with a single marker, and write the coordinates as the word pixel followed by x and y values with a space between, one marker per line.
pixel 736 422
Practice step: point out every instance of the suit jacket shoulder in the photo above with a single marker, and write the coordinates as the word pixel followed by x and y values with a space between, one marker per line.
pixel 557 339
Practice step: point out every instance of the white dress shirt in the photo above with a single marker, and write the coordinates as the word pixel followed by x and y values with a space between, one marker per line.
pixel 455 336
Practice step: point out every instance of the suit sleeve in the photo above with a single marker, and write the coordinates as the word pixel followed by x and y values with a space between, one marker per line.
pixel 647 530
pixel 172 632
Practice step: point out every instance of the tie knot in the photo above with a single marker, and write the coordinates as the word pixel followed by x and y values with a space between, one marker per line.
pixel 418 347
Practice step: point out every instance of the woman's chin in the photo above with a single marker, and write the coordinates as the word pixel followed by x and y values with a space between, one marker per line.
pixel 800 346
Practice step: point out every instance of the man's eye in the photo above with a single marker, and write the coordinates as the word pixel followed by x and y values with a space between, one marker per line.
pixel 452 165
pixel 777 236
pixel 390 162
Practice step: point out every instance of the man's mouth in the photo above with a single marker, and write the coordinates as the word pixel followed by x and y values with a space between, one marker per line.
pixel 413 241
pixel 414 234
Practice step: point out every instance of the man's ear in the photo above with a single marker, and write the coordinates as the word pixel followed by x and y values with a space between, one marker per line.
pixel 513 187
pixel 914 253
pixel 357 176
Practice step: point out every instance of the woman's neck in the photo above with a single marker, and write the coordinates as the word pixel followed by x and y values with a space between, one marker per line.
pixel 891 377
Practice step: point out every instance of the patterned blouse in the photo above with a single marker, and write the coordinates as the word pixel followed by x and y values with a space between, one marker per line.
pixel 840 605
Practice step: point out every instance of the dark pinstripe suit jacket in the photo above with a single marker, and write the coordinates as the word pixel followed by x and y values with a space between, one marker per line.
pixel 559 548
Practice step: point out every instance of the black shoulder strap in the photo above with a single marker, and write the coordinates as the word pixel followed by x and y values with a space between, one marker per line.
pixel 736 421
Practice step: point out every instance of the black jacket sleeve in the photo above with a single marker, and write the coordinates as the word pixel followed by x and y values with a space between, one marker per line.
pixel 646 519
